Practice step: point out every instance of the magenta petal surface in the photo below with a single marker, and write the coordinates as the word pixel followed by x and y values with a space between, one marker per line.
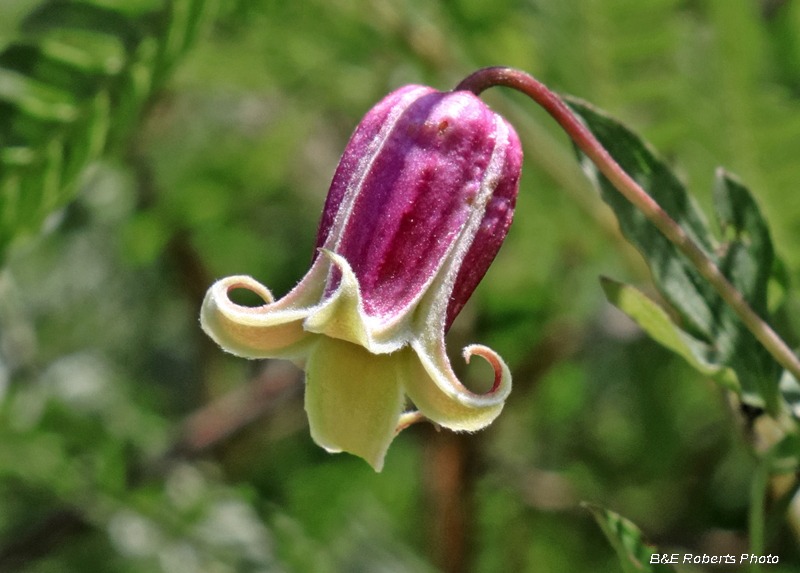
pixel 493 230
pixel 356 161
pixel 404 190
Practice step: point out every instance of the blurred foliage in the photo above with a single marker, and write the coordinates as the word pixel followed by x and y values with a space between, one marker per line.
pixel 223 170
pixel 71 85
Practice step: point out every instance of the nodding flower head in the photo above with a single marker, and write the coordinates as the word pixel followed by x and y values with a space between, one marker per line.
pixel 419 206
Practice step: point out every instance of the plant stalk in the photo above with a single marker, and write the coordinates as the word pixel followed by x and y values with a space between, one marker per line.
pixel 586 141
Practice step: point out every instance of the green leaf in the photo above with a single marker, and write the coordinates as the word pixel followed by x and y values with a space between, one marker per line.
pixel 747 262
pixel 626 539
pixel 710 333
pixel 681 284
pixel 655 321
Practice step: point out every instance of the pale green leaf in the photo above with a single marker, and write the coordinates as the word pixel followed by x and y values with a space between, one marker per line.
pixel 655 321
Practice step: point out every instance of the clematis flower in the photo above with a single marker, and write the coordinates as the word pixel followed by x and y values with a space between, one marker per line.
pixel 419 206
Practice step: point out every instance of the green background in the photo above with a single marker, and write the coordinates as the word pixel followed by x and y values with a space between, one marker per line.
pixel 225 172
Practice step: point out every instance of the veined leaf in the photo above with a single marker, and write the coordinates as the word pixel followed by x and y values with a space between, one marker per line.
pixel 710 334
pixel 634 554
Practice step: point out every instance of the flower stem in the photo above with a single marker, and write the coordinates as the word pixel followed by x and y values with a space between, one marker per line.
pixel 583 138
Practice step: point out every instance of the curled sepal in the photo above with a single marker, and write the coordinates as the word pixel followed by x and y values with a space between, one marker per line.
pixel 353 398
pixel 432 385
pixel 341 315
pixel 273 330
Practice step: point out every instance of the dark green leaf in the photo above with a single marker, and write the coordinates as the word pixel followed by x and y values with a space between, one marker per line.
pixel 681 284
pixel 745 256
pixel 747 262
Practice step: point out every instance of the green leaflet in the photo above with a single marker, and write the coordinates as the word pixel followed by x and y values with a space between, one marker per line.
pixel 71 87
pixel 655 321
pixel 711 337
pixel 626 539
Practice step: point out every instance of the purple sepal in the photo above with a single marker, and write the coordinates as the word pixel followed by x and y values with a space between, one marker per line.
pixel 418 208
pixel 404 189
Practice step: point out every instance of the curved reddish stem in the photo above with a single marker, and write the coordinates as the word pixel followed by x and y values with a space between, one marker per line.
pixel 586 141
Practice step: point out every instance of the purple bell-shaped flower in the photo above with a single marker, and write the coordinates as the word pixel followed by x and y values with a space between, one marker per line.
pixel 419 206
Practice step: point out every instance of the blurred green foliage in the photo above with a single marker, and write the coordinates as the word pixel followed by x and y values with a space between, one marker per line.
pixel 223 170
